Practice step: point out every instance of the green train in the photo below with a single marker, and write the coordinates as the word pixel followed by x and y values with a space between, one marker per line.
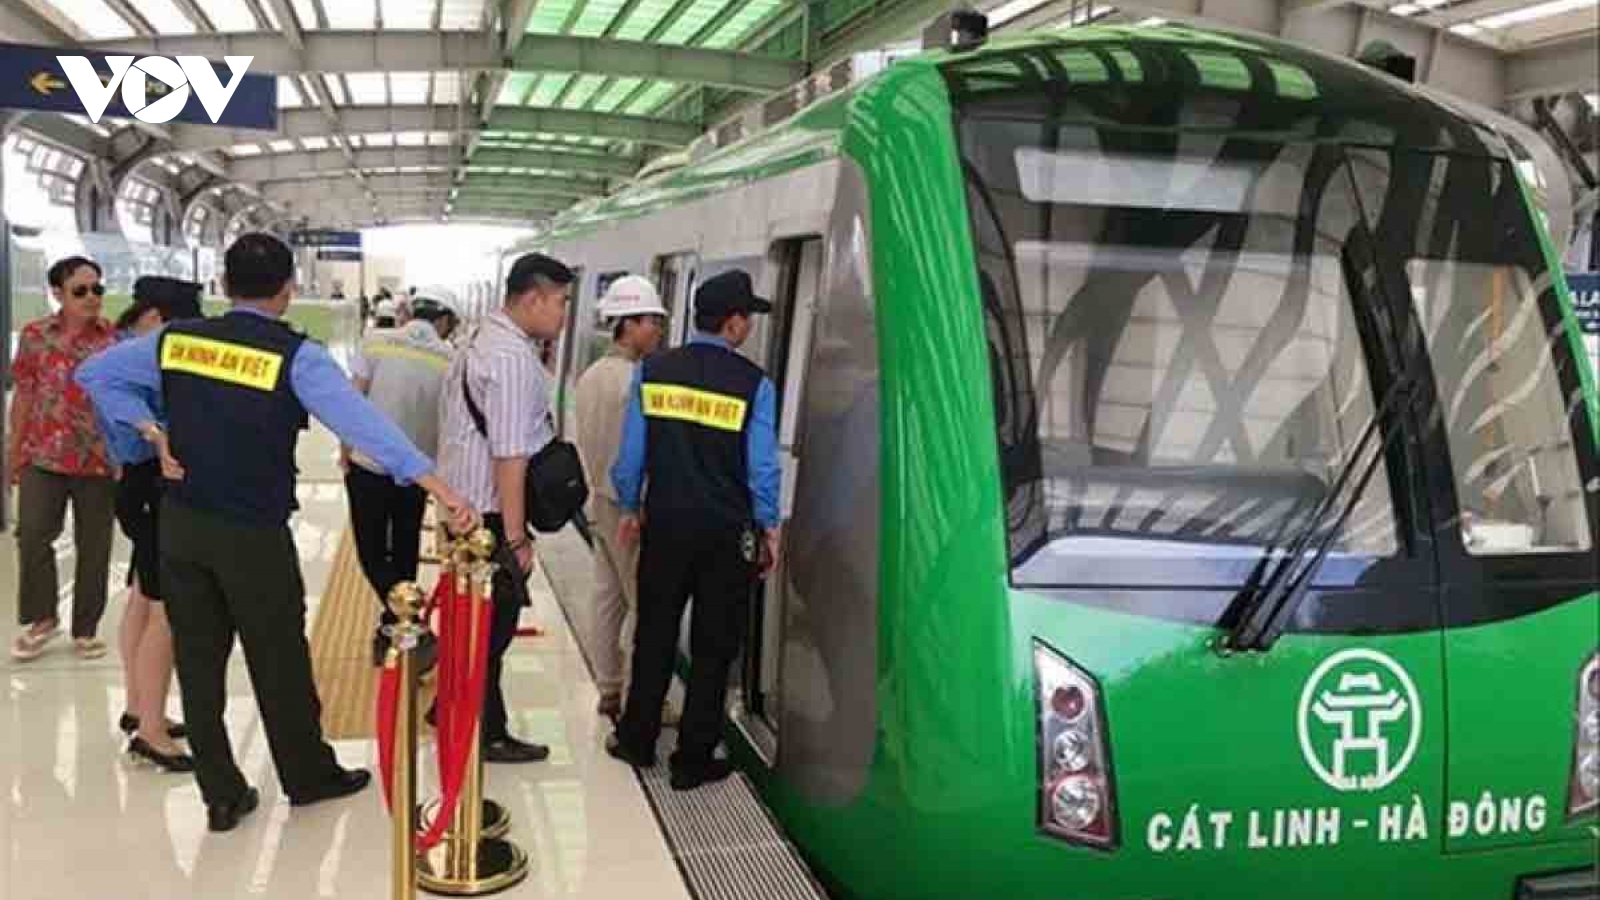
pixel 1190 474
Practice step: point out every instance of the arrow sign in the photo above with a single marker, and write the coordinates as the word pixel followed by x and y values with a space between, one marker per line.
pixel 45 83
pixel 32 78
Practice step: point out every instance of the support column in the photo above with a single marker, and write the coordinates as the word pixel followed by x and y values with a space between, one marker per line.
pixel 6 119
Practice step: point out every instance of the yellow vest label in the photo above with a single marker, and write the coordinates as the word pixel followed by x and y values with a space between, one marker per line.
pixel 221 361
pixel 685 404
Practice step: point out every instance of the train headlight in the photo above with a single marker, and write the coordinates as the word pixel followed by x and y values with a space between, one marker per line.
pixel 1584 795
pixel 1076 801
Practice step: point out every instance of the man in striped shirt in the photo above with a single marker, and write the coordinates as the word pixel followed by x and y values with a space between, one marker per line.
pixel 486 455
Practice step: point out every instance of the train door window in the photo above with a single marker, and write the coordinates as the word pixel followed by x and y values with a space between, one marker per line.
pixel 565 353
pixel 784 349
pixel 675 279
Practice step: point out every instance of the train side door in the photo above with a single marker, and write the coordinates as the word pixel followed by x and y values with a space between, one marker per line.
pixel 782 346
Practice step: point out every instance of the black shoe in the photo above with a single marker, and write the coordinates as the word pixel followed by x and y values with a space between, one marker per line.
pixel 510 750
pixel 344 783
pixel 618 750
pixel 687 778
pixel 225 816
pixel 175 762
pixel 129 725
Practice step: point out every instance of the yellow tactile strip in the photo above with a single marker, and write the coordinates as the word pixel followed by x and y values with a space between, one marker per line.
pixel 341 644
pixel 341 648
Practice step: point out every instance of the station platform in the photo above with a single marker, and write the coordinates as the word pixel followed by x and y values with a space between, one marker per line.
pixel 79 818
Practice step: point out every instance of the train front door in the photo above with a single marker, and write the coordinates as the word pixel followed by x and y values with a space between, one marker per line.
pixel 782 346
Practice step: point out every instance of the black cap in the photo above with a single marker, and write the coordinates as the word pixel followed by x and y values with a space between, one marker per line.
pixel 174 297
pixel 729 293
pixel 531 265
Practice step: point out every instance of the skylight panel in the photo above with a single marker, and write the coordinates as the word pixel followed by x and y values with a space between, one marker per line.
pixel 407 14
pixel 549 16
pixel 408 88
pixel 548 89
pixel 596 15
pixel 289 93
pixel 336 90
pixel 95 18
pixel 367 88
pixel 690 23
pixel 380 140
pixel 581 91
pixel 351 14
pixel 165 17
pixel 306 12
pixel 618 92
pixel 446 87
pixel 229 15
pixel 733 31
pixel 647 15
pixel 315 142
pixel 1534 13
pixel 244 150
pixel 461 15
pixel 283 146
pixel 411 138
pixel 652 97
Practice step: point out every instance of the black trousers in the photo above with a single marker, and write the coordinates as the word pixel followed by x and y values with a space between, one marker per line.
pixel 387 520
pixel 224 579
pixel 139 513
pixel 677 561
pixel 510 589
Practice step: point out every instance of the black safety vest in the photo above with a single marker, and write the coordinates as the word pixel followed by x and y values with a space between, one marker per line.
pixel 233 417
pixel 697 402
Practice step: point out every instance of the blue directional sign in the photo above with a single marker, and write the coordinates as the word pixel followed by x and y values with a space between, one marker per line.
pixel 35 78
pixel 324 237
pixel 1586 300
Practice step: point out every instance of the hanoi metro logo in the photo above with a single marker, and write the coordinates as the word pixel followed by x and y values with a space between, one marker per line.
pixel 155 89
pixel 1360 721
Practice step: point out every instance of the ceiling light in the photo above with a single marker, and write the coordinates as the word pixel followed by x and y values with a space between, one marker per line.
pixel 1466 29
pixel 1152 22
pixel 1407 9
pixel 1594 101
pixel 1531 13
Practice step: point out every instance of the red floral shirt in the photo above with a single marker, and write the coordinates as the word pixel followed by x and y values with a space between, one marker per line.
pixel 59 432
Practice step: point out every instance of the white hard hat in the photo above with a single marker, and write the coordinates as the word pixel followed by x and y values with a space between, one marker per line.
pixel 438 294
pixel 631 295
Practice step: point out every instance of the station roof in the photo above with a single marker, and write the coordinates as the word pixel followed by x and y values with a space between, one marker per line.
pixel 509 110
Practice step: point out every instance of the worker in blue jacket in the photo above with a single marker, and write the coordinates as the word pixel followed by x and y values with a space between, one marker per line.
pixel 699 456
pixel 238 389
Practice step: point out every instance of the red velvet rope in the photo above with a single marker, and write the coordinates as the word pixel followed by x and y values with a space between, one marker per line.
pixel 461 692
pixel 463 670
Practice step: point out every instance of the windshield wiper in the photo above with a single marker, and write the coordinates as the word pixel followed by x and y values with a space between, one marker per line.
pixel 1273 603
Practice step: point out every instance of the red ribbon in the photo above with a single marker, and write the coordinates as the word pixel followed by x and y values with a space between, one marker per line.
pixel 463 671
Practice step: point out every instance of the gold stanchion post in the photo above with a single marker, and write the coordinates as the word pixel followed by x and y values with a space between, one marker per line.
pixel 469 862
pixel 406 601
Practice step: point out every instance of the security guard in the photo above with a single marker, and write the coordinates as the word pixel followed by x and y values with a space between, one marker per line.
pixel 237 391
pixel 701 425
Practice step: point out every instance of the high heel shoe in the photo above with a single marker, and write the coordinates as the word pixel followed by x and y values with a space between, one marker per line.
pixel 129 723
pixel 176 762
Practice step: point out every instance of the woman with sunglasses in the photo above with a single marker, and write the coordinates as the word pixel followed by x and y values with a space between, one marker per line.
pixel 56 455
pixel 146 636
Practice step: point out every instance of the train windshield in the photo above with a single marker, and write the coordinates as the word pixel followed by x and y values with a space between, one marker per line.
pixel 1189 335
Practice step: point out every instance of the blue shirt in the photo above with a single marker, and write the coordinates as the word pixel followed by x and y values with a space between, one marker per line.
pixel 761 447
pixel 128 447
pixel 122 379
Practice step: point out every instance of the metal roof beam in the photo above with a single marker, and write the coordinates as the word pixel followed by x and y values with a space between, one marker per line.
pixel 66 134
pixel 584 122
pixel 300 166
pixel 411 51
pixel 425 184
pixel 300 123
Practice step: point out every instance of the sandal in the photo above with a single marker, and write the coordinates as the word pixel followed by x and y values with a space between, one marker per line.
pixel 30 644
pixel 89 648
